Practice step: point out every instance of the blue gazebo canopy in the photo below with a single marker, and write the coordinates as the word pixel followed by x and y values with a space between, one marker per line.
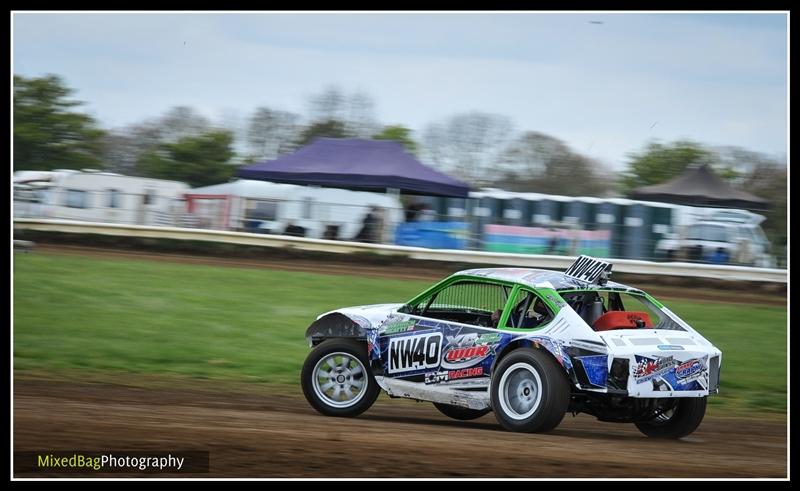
pixel 359 164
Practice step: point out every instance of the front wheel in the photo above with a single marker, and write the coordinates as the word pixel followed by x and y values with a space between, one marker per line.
pixel 530 392
pixel 461 413
pixel 336 379
pixel 678 421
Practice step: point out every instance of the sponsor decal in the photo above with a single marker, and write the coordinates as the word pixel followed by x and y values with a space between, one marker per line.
pixel 465 373
pixel 438 377
pixel 647 368
pixel 588 269
pixel 469 348
pixel 488 338
pixel 670 347
pixel 399 326
pixel 465 339
pixel 417 352
pixel 689 368
pixel 468 339
pixel 454 355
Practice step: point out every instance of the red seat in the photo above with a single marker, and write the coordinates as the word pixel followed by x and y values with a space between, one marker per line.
pixel 620 319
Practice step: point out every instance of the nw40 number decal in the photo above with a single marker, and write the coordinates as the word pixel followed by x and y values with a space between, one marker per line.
pixel 409 353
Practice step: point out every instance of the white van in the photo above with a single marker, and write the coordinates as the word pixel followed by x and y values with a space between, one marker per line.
pixel 723 236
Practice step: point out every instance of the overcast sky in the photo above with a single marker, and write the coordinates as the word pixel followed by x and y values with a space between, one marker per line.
pixel 604 88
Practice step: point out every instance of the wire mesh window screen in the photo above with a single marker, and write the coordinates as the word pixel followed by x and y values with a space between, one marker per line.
pixel 472 296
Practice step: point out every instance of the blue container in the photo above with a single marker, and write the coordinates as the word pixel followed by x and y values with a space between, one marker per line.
pixel 433 235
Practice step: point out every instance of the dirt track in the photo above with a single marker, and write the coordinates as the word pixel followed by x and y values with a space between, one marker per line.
pixel 273 432
pixel 277 434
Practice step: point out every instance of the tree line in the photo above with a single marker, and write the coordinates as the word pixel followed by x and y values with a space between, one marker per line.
pixel 51 132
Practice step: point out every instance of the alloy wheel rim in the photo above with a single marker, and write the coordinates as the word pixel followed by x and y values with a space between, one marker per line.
pixel 340 380
pixel 520 391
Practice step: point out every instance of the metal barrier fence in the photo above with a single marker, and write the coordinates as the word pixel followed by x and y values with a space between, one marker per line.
pixel 688 270
pixel 470 230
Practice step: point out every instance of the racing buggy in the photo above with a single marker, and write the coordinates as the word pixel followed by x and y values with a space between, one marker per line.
pixel 529 345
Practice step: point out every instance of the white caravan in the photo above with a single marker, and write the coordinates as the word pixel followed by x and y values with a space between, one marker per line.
pixel 96 196
pixel 267 207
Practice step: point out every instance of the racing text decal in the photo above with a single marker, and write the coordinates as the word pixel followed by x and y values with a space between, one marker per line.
pixel 418 352
pixel 467 349
pixel 588 269
pixel 399 326
pixel 435 378
pixel 465 354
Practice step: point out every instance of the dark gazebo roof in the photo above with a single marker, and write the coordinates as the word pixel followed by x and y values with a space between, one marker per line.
pixel 354 163
pixel 699 186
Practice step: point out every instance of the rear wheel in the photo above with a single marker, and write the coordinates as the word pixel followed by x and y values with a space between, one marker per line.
pixel 336 379
pixel 678 421
pixel 530 392
pixel 461 413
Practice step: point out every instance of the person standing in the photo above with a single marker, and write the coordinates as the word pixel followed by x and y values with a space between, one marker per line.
pixel 367 232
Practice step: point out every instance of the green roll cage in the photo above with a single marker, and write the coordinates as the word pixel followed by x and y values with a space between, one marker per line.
pixel 549 296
